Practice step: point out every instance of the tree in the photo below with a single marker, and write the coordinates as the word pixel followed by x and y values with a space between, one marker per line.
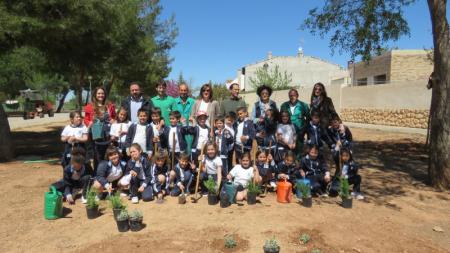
pixel 273 78
pixel 363 27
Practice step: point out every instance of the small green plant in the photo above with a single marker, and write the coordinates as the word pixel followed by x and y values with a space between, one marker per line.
pixel 123 215
pixel 115 201
pixel 210 184
pixel 253 187
pixel 230 242
pixel 91 198
pixel 136 215
pixel 316 251
pixel 304 238
pixel 344 190
pixel 304 189
pixel 271 245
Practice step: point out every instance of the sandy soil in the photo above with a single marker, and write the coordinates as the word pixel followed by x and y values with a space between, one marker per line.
pixel 398 215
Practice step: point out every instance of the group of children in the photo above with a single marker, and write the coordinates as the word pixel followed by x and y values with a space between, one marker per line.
pixel 149 159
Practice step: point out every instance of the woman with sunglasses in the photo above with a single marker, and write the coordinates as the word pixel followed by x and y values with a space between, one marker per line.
pixel 206 104
pixel 323 104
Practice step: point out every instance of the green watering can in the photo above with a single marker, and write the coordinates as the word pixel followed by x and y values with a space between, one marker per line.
pixel 53 204
pixel 231 192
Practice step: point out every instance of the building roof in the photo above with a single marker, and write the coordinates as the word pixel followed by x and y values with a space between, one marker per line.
pixel 295 57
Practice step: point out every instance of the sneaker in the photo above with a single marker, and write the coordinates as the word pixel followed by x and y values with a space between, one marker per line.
pixel 359 196
pixel 273 185
pixel 353 194
pixel 83 200
pixel 97 198
pixel 134 200
pixel 324 195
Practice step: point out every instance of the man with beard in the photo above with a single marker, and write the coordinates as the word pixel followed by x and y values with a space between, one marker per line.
pixel 136 101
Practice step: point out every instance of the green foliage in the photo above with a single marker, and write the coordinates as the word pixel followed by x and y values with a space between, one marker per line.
pixel 115 201
pixel 361 27
pixel 210 184
pixel 123 215
pixel 91 198
pixel 136 215
pixel 304 238
pixel 220 91
pixel 271 245
pixel 271 77
pixel 304 189
pixel 344 190
pixel 230 242
pixel 253 187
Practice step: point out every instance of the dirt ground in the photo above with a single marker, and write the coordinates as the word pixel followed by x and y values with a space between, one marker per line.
pixel 399 214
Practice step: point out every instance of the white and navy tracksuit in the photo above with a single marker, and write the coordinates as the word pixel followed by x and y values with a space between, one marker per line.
pixel 201 135
pixel 183 177
pixel 143 178
pixel 108 174
pixel 315 135
pixel 265 171
pixel 148 147
pixel 224 140
pixel 289 170
pixel 73 179
pixel 180 142
pixel 315 171
pixel 244 128
pixel 345 138
pixel 158 187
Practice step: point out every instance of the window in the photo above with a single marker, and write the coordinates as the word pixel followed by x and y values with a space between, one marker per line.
pixel 380 79
pixel 362 81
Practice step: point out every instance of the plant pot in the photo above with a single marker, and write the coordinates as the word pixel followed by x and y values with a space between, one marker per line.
pixel 123 225
pixel 347 202
pixel 212 199
pixel 135 225
pixel 182 199
pixel 116 213
pixel 251 198
pixel 271 250
pixel 92 213
pixel 224 200
pixel 307 202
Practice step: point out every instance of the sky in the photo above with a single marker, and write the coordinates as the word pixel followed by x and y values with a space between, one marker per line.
pixel 216 38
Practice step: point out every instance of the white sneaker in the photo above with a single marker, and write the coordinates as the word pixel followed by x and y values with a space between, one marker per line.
pixel 324 195
pixel 359 196
pixel 97 198
pixel 353 194
pixel 123 195
pixel 83 200
pixel 134 200
pixel 273 185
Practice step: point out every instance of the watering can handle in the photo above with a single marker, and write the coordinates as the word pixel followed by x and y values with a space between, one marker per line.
pixel 53 189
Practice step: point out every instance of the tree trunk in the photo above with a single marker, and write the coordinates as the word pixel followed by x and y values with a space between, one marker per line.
pixel 109 85
pixel 64 92
pixel 439 150
pixel 6 144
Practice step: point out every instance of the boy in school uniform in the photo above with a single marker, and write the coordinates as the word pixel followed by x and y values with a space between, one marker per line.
pixel 314 168
pixel 157 125
pixel 76 175
pixel 245 133
pixel 142 134
pixel 230 125
pixel 339 137
pixel 109 171
pixel 201 133
pixel 174 130
pixel 74 135
pixel 223 140
pixel 160 175
pixel 315 134
pixel 182 176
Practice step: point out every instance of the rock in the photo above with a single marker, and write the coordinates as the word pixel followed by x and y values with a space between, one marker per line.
pixel 438 229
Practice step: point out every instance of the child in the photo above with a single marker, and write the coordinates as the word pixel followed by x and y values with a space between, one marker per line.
pixel 110 171
pixel 212 164
pixel 286 136
pixel 230 125
pixel 182 176
pixel 174 130
pixel 157 125
pixel 223 140
pixel 160 175
pixel 339 137
pixel 119 130
pixel 288 168
pixel 245 133
pixel 314 168
pixel 74 135
pixel 266 168
pixel 76 175
pixel 265 131
pixel 315 135
pixel 241 174
pixel 138 176
pixel 350 171
pixel 142 134
pixel 201 133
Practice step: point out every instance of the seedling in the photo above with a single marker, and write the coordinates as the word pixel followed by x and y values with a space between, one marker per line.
pixel 115 201
pixel 304 189
pixel 91 199
pixel 304 238
pixel 271 245
pixel 136 215
pixel 123 216
pixel 253 187
pixel 230 242
pixel 344 191
pixel 210 184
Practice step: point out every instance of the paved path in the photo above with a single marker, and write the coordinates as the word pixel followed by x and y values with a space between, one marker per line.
pixel 388 128
pixel 18 122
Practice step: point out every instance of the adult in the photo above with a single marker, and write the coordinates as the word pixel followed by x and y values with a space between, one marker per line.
pixel 163 101
pixel 206 104
pixel 184 104
pixel 299 113
pixel 98 116
pixel 323 104
pixel 136 101
pixel 233 102
pixel 263 104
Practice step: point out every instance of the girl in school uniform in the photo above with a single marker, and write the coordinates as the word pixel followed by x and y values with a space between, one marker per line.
pixel 314 168
pixel 242 174
pixel 223 139
pixel 74 135
pixel 119 130
pixel 266 168
pixel 286 136
pixel 110 171
pixel 265 130
pixel 212 164
pixel 160 175
pixel 287 168
pixel 138 176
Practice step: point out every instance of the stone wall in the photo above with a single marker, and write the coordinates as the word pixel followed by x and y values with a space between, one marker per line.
pixel 390 117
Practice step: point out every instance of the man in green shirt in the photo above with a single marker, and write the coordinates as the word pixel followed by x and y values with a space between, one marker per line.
pixel 184 105
pixel 164 102
pixel 299 112
pixel 232 103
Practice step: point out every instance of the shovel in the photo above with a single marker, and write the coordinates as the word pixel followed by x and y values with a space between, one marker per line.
pixel 197 196
pixel 182 198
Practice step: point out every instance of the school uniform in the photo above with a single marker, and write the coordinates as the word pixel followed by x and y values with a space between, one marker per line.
pixel 144 178
pixel 267 129
pixel 223 141
pixel 315 171
pixel 244 128
pixel 115 130
pixel 292 171
pixel 109 174
pixel 241 176
pixel 158 187
pixel 265 171
pixel 315 135
pixel 287 132
pixel 232 131
pixel 211 168
pixel 335 135
pixel 201 137
pixel 182 177
pixel 73 179
pixel 73 131
pixel 166 139
pixel 142 135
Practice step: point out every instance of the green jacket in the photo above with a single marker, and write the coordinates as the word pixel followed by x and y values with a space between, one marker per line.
pixel 166 104
pixel 300 116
